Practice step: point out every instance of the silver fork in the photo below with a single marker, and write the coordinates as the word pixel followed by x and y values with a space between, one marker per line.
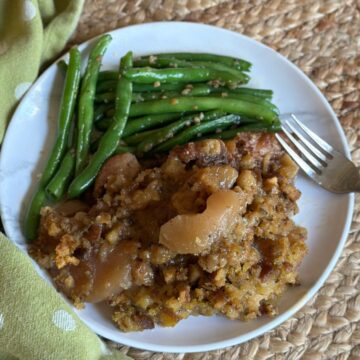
pixel 319 160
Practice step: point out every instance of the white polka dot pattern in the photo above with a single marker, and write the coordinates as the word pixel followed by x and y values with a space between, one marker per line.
pixel 29 10
pixel 63 320
pixel 21 89
pixel 104 349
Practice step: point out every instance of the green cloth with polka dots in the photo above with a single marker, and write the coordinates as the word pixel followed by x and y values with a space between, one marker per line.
pixel 35 322
pixel 32 32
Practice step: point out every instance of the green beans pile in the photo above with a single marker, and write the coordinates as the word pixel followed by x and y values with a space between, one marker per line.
pixel 147 106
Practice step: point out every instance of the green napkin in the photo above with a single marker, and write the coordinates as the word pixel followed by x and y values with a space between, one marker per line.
pixel 32 32
pixel 35 322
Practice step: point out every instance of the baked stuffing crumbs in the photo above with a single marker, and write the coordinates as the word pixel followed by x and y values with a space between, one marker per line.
pixel 205 231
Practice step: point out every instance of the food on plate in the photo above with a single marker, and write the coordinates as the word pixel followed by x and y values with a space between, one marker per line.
pixel 206 230
pixel 166 194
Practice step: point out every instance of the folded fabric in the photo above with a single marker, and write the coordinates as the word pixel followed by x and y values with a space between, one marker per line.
pixel 35 322
pixel 31 33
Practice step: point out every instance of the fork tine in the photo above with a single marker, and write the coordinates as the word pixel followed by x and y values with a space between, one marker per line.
pixel 308 144
pixel 299 161
pixel 323 145
pixel 309 157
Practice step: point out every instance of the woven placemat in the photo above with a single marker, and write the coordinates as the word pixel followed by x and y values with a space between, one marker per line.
pixel 323 39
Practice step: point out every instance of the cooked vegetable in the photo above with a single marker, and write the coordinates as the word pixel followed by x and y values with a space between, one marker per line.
pixel 139 137
pixel 169 131
pixel 229 134
pixel 57 186
pixel 148 122
pixel 105 85
pixel 71 86
pixel 101 110
pixel 149 105
pixel 86 101
pixel 239 64
pixel 158 87
pixel 199 129
pixel 110 140
pixel 183 104
pixel 32 218
pixel 163 62
pixel 141 123
pixel 108 75
pixel 188 75
pixel 249 98
pixel 121 149
pixel 63 67
pixel 199 89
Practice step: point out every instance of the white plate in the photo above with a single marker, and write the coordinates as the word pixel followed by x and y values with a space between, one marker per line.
pixel 326 216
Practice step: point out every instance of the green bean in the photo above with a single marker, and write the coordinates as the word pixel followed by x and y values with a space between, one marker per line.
pixel 206 89
pixel 105 86
pixel 255 127
pixel 222 67
pixel 150 87
pixel 109 97
pixel 124 149
pixel 187 75
pixel 141 123
pixel 238 64
pixel 197 130
pixel 190 89
pixel 32 219
pixel 148 122
pixel 62 66
pixel 110 140
pixel 202 91
pixel 183 104
pixel 57 186
pixel 161 63
pixel 101 110
pixel 108 75
pixel 103 124
pixel 250 98
pixel 106 97
pixel 263 93
pixel 110 112
pixel 71 86
pixel 139 97
pixel 176 63
pixel 95 139
pixel 195 90
pixel 169 131
pixel 86 101
pixel 139 137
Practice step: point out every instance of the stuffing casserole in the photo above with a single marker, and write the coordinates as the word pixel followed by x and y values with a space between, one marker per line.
pixel 206 230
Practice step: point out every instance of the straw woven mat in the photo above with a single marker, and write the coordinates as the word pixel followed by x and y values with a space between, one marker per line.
pixel 322 37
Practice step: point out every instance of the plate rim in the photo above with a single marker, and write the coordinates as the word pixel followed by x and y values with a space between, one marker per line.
pixel 278 320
